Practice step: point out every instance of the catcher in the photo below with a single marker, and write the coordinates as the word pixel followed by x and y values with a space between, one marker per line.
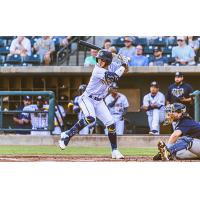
pixel 184 143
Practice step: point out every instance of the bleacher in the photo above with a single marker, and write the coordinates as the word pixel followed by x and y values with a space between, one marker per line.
pixel 148 43
pixel 16 60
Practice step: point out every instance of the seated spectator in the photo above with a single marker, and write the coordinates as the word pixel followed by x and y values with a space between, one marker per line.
pixel 63 40
pixel 139 59
pixel 90 61
pixel 107 44
pixel 21 46
pixel 129 49
pixel 158 59
pixel 183 53
pixel 44 46
pixel 193 42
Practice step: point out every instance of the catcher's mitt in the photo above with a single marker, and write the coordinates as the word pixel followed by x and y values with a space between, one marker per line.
pixel 157 156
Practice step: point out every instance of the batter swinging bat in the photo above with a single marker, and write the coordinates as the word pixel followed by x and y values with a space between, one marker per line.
pixel 92 46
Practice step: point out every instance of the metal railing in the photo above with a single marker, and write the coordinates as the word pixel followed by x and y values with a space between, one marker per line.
pixel 66 51
pixel 196 94
pixel 51 110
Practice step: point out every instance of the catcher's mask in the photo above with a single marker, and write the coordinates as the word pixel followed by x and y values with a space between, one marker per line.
pixel 171 109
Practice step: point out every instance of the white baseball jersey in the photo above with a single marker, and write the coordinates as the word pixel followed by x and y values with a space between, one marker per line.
pixel 118 109
pixel 38 120
pixel 158 99
pixel 97 85
pixel 155 116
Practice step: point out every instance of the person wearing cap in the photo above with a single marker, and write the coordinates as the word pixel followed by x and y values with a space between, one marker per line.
pixel 183 53
pixel 154 105
pixel 129 49
pixel 179 92
pixel 139 59
pixel 90 61
pixel 158 59
pixel 39 121
pixel 18 117
pixel 118 105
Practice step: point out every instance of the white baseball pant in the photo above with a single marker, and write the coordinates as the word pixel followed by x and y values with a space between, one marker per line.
pixel 192 153
pixel 157 116
pixel 91 107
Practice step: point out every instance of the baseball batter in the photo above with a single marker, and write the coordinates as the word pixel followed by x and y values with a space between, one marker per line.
pixel 118 105
pixel 92 104
pixel 153 104
pixel 184 143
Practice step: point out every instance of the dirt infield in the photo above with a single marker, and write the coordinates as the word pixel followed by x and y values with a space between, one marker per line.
pixel 53 158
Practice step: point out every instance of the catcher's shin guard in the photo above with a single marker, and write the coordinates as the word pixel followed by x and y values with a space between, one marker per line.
pixel 112 136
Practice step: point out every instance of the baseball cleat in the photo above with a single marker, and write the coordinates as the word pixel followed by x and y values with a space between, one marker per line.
pixel 153 132
pixel 164 152
pixel 116 154
pixel 64 140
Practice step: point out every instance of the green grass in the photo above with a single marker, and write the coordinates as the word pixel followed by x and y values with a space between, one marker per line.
pixel 53 150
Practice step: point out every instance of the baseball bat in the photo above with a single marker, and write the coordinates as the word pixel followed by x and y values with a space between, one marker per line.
pixel 89 45
pixel 92 46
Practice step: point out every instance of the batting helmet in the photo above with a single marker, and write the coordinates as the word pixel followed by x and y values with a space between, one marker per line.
pixel 104 55
pixel 82 88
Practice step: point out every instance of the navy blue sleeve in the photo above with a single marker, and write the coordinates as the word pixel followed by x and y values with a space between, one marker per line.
pixel 168 96
pixel 184 129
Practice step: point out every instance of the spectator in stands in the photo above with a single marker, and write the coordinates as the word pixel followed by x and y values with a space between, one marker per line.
pixel 183 53
pixel 21 46
pixel 44 46
pixel 18 117
pixel 90 61
pixel 129 49
pixel 139 59
pixel 193 42
pixel 115 60
pixel 107 44
pixel 158 59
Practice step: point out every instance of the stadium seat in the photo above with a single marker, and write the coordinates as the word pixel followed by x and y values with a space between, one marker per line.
pixel 159 42
pixel 167 50
pixel 4 50
pixel 14 59
pixel 141 41
pixel 170 59
pixel 119 42
pixel 33 41
pixel 148 50
pixel 33 59
pixel 2 43
pixel 150 57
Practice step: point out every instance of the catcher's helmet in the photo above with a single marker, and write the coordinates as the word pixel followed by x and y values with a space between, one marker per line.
pixel 104 55
pixel 82 88
pixel 175 107
pixel 170 109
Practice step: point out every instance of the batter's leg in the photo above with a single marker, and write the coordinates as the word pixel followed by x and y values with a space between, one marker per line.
pixel 104 115
pixel 88 110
